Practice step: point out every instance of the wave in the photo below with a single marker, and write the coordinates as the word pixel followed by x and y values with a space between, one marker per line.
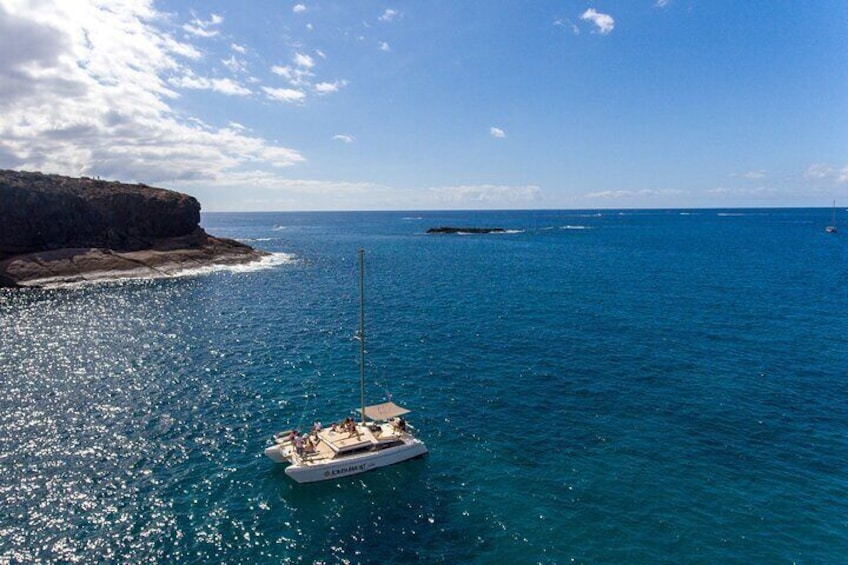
pixel 250 239
pixel 279 228
pixel 267 262
pixel 412 218
pixel 570 227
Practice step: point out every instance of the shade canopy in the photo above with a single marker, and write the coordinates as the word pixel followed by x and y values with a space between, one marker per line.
pixel 384 411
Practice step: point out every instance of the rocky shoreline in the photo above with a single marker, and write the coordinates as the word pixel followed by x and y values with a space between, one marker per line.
pixel 60 230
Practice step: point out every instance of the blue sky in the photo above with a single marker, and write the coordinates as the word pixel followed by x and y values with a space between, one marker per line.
pixel 343 105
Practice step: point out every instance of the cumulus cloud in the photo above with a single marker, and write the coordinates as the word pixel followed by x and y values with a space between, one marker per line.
pixel 298 8
pixel 87 88
pixel 497 132
pixel 604 22
pixel 330 87
pixel 284 94
pixel 384 46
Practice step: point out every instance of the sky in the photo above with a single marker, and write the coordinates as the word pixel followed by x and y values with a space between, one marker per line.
pixel 270 105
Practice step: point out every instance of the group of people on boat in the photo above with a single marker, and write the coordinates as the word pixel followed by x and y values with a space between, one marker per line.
pixel 304 444
pixel 349 426
pixel 307 443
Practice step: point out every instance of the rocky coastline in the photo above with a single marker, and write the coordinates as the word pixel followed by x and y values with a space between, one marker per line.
pixel 57 230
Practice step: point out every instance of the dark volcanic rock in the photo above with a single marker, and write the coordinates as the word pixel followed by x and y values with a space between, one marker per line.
pixel 448 229
pixel 42 212
pixel 62 229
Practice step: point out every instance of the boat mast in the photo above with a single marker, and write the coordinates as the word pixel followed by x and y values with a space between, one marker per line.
pixel 362 330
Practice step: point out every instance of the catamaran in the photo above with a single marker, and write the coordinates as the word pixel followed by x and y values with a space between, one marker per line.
pixel 382 436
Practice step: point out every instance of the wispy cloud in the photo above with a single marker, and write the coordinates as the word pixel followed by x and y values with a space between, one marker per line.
pixel 486 194
pixel 384 46
pixel 567 24
pixel 822 173
pixel 603 22
pixel 627 194
pixel 204 28
pixel 298 8
pixel 343 137
pixel 221 85
pixel 497 132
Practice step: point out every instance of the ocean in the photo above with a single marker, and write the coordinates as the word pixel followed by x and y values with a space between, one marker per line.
pixel 655 386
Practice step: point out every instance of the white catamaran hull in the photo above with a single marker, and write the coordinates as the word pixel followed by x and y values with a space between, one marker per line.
pixel 307 472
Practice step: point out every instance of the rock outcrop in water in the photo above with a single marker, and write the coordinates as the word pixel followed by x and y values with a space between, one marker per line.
pixel 56 229
pixel 450 229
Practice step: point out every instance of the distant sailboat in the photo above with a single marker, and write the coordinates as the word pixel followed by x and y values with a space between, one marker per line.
pixel 832 227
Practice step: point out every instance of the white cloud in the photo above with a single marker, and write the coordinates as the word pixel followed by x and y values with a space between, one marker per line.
pixel 625 194
pixel 238 48
pixel 604 22
pixel 344 138
pixel 284 94
pixel 488 194
pixel 384 46
pixel 819 171
pixel 755 175
pixel 330 87
pixel 222 85
pixel 298 8
pixel 87 88
pixel 303 60
pixel 235 65
pixel 300 76
pixel 822 173
pixel 661 3
pixel 390 15
pixel 497 132
pixel 202 28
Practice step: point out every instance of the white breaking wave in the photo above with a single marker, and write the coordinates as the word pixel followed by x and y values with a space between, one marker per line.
pixel 267 262
pixel 575 227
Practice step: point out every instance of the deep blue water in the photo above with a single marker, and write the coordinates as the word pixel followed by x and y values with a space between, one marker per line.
pixel 594 387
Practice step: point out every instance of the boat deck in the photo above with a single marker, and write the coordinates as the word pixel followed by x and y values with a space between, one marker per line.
pixel 336 444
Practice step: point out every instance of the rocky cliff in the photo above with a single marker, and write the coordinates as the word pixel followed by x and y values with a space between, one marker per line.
pixel 61 229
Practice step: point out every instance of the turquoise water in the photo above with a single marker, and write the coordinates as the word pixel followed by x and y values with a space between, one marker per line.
pixel 594 387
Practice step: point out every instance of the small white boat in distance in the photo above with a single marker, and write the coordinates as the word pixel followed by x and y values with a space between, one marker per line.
pixel 381 438
pixel 832 227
